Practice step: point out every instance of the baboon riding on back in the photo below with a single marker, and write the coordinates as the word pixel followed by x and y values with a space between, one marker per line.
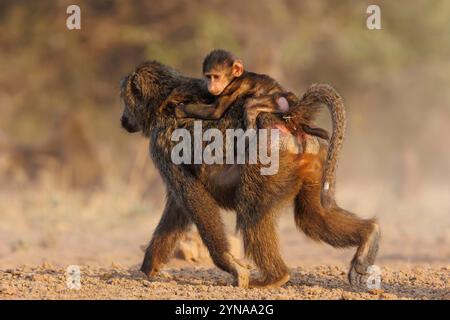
pixel 150 95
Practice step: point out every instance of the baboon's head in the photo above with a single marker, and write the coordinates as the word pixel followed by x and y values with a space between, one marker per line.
pixel 142 92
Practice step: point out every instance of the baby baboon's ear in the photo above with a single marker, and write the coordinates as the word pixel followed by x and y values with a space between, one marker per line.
pixel 237 68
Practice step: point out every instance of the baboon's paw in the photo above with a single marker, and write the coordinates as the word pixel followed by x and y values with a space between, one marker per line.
pixel 148 270
pixel 365 258
pixel 268 282
pixel 240 272
pixel 242 276
pixel 242 280
pixel 358 272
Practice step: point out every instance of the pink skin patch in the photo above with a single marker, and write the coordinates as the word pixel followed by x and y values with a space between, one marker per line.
pixel 282 129
pixel 283 104
pixel 284 132
pixel 290 143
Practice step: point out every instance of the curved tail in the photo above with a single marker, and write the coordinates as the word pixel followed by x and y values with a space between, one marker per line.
pixel 310 104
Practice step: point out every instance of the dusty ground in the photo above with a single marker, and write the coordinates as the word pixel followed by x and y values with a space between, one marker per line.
pixel 116 282
pixel 44 231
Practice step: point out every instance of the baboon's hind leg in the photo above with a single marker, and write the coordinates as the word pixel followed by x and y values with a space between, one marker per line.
pixel 174 222
pixel 365 254
pixel 339 228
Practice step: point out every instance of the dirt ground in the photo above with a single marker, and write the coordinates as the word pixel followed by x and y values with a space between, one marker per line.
pixel 42 232
pixel 117 282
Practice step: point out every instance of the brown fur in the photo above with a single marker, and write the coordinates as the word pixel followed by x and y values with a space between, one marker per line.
pixel 334 226
pixel 262 94
pixel 259 91
pixel 305 111
pixel 194 197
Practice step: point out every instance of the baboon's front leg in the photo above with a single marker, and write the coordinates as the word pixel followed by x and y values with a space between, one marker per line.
pixel 174 222
pixel 203 210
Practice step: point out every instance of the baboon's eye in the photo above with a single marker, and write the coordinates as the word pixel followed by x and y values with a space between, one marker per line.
pixel 212 77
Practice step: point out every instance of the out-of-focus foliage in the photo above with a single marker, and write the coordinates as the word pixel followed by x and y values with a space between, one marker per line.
pixel 394 81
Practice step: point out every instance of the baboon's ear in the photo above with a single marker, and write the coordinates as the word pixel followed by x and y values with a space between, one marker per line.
pixel 136 84
pixel 128 91
pixel 142 88
pixel 238 68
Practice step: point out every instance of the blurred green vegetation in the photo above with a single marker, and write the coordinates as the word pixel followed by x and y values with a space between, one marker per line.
pixel 394 81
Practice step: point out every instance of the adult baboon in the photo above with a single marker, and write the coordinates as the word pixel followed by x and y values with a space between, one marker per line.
pixel 193 196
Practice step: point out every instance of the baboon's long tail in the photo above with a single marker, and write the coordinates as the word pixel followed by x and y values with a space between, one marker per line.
pixel 310 104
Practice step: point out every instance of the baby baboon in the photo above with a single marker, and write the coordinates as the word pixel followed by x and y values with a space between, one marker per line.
pixel 194 197
pixel 228 80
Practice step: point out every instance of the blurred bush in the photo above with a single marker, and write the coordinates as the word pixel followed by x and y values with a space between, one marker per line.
pixel 394 81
